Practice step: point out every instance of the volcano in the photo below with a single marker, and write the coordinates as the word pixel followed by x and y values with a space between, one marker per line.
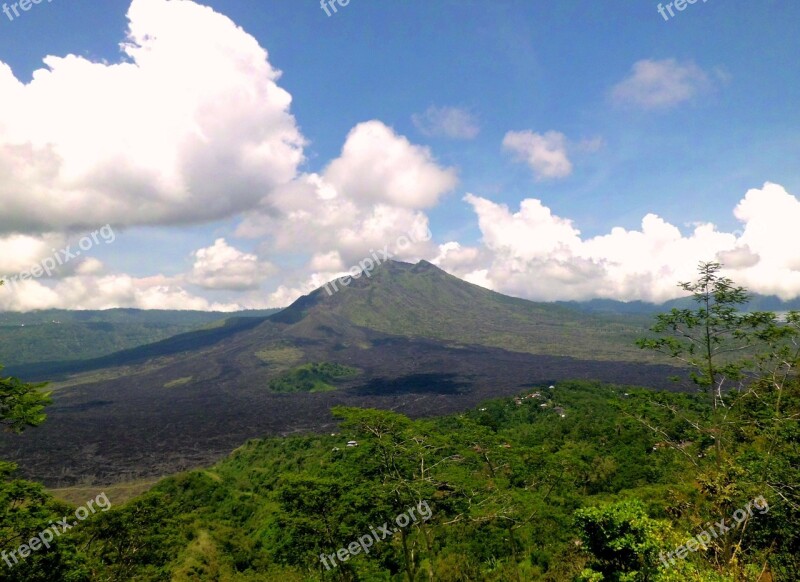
pixel 414 339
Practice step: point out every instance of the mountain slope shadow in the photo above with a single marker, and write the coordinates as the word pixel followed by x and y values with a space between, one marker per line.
pixel 413 384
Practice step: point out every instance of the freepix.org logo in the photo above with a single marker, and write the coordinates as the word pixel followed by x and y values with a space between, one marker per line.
pixel 44 538
pixel 12 11
pixel 60 257
pixel 377 258
pixel 328 5
pixel 679 5
pixel 365 542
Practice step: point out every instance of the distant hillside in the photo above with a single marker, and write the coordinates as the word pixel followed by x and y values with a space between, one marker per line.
pixel 612 307
pixel 55 334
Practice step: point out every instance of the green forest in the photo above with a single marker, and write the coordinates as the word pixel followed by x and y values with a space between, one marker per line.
pixel 579 481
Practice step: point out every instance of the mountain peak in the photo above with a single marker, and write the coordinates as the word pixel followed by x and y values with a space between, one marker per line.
pixel 422 300
pixel 426 265
pixel 402 265
pixel 385 283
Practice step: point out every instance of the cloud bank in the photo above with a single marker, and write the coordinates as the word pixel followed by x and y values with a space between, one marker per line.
pixel 535 254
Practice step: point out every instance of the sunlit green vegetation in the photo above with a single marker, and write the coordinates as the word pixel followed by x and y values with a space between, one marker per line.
pixel 315 377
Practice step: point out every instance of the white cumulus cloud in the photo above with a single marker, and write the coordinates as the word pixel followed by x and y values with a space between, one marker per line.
pixel 377 165
pixel 222 266
pixel 189 126
pixel 374 192
pixel 546 153
pixel 20 252
pixel 663 84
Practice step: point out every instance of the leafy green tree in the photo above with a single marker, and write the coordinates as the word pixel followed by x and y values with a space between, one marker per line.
pixel 314 523
pixel 717 341
pixel 21 404
pixel 622 539
pixel 746 363
pixel 25 507
pixel 25 510
pixel 401 459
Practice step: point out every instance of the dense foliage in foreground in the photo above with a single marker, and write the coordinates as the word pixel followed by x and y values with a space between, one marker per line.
pixel 506 485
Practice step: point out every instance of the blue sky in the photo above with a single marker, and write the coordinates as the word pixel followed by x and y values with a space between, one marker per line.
pixel 711 115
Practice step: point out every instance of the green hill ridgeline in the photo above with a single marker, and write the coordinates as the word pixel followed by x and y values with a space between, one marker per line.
pixel 315 377
pixel 58 335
